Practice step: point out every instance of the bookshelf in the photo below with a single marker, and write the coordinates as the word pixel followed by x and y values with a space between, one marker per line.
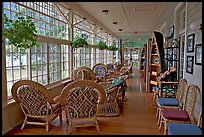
pixel 143 61
pixel 156 59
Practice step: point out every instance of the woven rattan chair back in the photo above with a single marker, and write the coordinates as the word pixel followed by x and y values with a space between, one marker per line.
pixel 76 74
pixel 126 70
pixel 83 73
pixel 190 100
pixel 199 123
pixel 182 86
pixel 100 70
pixel 81 100
pixel 111 106
pixel 35 101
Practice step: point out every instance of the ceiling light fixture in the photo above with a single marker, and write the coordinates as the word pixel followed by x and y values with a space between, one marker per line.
pixel 105 11
pixel 115 23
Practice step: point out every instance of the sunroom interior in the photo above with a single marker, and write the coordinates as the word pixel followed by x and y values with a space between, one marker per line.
pixel 144 43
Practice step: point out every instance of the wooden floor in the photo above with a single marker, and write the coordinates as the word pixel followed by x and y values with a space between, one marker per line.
pixel 136 118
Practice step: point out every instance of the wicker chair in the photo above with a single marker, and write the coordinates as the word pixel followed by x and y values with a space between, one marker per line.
pixel 111 70
pixel 81 100
pixel 111 106
pixel 83 73
pixel 36 102
pixel 121 83
pixel 100 71
pixel 125 70
pixel 178 114
pixel 118 66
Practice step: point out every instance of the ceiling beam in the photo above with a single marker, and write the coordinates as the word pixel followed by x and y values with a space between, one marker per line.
pixel 124 13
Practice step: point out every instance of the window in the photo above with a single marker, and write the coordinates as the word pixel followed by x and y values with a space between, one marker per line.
pixel 99 56
pixel 16 65
pixel 83 57
pixel 50 62
pixel 83 27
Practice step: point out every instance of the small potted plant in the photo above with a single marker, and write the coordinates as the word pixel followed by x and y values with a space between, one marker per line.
pixel 112 47
pixel 79 42
pixel 20 32
pixel 101 45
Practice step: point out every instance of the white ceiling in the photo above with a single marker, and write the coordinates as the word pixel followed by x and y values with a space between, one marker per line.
pixel 134 18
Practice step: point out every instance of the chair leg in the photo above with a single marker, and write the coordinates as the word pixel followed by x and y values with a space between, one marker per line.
pixel 60 116
pixel 159 116
pixel 160 123
pixel 165 127
pixel 153 99
pixel 24 122
pixel 97 126
pixel 157 111
pixel 70 128
pixel 47 125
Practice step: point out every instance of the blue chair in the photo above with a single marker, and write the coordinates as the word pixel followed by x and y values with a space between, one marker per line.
pixel 185 129
pixel 171 102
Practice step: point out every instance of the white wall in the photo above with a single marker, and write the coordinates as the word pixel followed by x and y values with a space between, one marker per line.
pixel 194 14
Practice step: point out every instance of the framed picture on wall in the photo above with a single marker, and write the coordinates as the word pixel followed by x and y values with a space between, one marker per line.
pixel 189 64
pixel 198 54
pixel 190 42
pixel 171 32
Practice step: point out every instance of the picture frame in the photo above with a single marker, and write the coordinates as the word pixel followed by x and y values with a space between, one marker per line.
pixel 198 54
pixel 171 32
pixel 190 42
pixel 189 64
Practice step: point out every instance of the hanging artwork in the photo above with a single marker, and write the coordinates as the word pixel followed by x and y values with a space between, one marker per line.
pixel 198 54
pixel 190 42
pixel 189 64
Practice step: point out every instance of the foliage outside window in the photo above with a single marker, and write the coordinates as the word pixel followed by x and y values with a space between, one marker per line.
pixel 139 42
pixel 21 32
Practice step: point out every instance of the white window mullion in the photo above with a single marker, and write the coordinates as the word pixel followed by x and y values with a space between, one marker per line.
pixel 48 70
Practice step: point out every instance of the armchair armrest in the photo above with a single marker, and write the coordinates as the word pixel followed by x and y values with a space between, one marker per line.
pixel 57 99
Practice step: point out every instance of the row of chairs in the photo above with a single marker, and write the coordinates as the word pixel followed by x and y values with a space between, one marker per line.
pixel 84 99
pixel 101 72
pixel 118 98
pixel 177 114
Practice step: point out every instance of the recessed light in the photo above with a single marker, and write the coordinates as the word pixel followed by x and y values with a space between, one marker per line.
pixel 105 11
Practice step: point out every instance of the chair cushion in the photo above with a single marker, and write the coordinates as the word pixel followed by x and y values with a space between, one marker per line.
pixel 183 129
pixel 167 102
pixel 175 114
